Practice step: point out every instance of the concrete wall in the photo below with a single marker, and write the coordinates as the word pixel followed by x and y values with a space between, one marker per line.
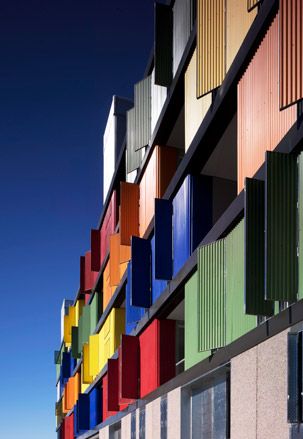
pixel 152 419
pixel 104 433
pixel 126 427
pixel 174 414
pixel 259 391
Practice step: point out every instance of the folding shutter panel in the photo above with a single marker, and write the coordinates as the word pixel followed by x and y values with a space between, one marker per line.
pixel 75 342
pixel 114 260
pixel 133 157
pixel 95 407
pixel 211 285
pixel 210 45
pixel 141 272
pixel 133 313
pixel 163 44
pixel 83 412
pixel 254 219
pixel 163 239
pixel 281 265
pixel 113 383
pixel 129 211
pixel 251 4
pixel 129 368
pixel 142 93
pixel 181 30
pixel 95 249
pixel 291 51
pixel 294 393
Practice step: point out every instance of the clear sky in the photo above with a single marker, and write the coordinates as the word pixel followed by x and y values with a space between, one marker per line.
pixel 60 63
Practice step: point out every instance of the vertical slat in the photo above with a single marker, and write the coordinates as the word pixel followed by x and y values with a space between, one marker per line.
pixel 141 272
pixel 291 52
pixel 128 368
pixel 142 94
pixel 129 211
pixel 254 217
pixel 281 264
pixel 268 126
pixel 181 30
pixel 210 45
pixel 133 157
pixel 237 322
pixel 211 285
pixel 163 44
pixel 251 4
pixel 294 358
pixel 163 239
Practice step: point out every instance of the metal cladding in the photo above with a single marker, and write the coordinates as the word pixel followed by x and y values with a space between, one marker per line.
pixel 108 226
pixel 140 272
pixel 163 245
pixel 251 4
pixel 163 44
pixel 212 302
pixel 254 220
pixel 291 52
pixel 182 25
pixel 129 211
pixel 237 322
pixel 133 157
pixel 133 314
pixel 281 264
pixel 157 355
pixel 211 40
pixel 129 368
pixel 158 98
pixel 261 124
pixel 158 285
pixel 142 94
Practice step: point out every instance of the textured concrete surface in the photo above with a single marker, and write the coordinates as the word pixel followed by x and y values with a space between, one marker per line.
pixel 174 414
pixel 126 427
pixel 104 433
pixel 272 388
pixel 243 395
pixel 152 419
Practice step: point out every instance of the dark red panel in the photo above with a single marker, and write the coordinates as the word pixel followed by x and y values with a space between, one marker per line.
pixel 95 249
pixel 108 226
pixel 129 367
pixel 87 276
pixel 157 355
pixel 113 385
pixel 105 412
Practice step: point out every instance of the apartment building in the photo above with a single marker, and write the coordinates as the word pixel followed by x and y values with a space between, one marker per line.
pixel 188 320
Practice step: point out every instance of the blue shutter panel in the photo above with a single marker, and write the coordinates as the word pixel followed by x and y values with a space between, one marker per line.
pixel 163 239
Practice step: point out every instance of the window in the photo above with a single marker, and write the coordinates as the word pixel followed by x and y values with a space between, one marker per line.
pixel 163 414
pixel 208 412
pixel 142 424
pixel 133 425
pixel 294 401
pixel 115 431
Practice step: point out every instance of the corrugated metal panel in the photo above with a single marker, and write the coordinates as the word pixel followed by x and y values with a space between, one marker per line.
pixel 142 93
pixel 194 109
pixel 129 368
pixel 254 217
pixel 291 51
pixel 212 301
pixel 251 4
pixel 83 412
pixel 133 157
pixel 237 322
pixel 191 324
pixel 267 127
pixel 300 226
pixel 114 260
pixel 163 56
pixel 163 262
pixel 141 272
pixel 129 211
pixel 211 41
pixel 181 30
pixel 133 314
pixel 281 264
pixel 192 217
pixel 109 225
pixel 238 22
pixel 158 97
pixel 157 285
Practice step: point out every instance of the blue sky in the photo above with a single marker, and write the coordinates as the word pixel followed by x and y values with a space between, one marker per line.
pixel 61 60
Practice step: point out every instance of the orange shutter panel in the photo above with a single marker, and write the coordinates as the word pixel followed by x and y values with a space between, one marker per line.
pixel 114 260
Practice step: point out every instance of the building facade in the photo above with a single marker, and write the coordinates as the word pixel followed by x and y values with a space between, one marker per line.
pixel 188 320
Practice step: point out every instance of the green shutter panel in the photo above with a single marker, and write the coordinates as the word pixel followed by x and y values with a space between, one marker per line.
pixel 237 322
pixel 281 264
pixel 211 284
pixel 254 217
pixel 163 44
